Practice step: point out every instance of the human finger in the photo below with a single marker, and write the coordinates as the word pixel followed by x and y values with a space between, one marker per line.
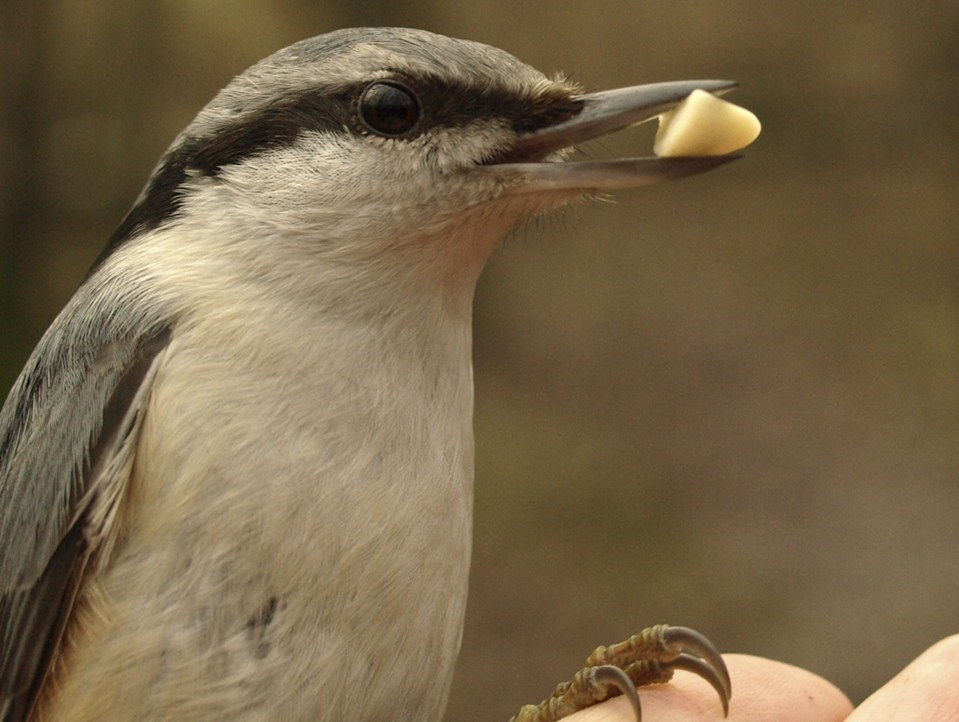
pixel 927 689
pixel 763 690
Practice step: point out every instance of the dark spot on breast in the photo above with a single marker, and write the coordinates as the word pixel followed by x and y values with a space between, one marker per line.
pixel 257 628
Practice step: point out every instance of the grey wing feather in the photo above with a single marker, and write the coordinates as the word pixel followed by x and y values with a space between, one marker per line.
pixel 33 620
pixel 67 437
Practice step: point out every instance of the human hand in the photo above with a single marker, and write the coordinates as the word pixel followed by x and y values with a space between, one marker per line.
pixel 764 690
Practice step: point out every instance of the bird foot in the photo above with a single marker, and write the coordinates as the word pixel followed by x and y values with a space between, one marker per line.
pixel 649 657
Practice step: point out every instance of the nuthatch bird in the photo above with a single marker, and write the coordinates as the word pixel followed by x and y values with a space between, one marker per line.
pixel 236 473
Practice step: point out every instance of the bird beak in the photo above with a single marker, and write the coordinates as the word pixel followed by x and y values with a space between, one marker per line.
pixel 601 114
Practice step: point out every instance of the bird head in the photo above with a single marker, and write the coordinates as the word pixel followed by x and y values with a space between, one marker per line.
pixel 375 150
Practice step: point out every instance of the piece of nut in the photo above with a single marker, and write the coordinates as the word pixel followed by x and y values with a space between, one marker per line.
pixel 703 124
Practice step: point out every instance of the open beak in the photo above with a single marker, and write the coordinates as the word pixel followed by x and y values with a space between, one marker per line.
pixel 603 113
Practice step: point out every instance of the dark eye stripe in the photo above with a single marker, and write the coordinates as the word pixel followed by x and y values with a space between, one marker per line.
pixel 453 104
pixel 444 104
pixel 272 127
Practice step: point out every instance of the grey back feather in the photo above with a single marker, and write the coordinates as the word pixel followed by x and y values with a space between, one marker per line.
pixel 73 409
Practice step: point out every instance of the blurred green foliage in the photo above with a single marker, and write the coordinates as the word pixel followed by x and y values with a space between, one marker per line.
pixel 731 403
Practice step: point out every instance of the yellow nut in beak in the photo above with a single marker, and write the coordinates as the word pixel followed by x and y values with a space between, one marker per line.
pixel 703 124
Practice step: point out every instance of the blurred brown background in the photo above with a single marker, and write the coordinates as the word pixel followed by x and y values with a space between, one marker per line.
pixel 730 403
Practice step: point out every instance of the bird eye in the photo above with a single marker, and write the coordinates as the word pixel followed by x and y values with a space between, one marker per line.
pixel 389 109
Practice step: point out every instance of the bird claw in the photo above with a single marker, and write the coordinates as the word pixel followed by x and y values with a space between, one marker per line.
pixel 649 657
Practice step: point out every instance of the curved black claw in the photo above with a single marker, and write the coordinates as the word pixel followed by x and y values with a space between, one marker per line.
pixel 700 668
pixel 609 675
pixel 700 656
pixel 649 657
